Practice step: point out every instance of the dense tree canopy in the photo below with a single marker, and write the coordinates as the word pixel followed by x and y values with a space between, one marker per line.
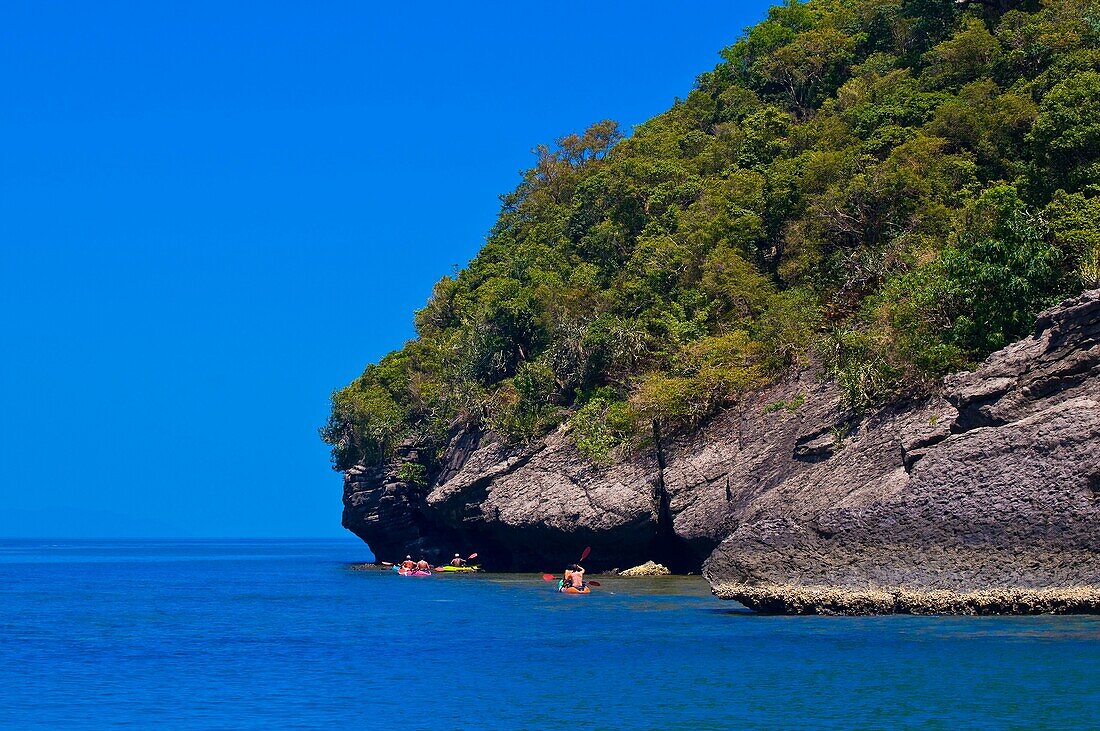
pixel 891 188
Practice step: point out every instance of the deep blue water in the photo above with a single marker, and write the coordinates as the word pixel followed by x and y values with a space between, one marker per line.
pixel 282 634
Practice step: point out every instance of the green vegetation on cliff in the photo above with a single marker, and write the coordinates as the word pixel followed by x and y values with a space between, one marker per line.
pixel 891 187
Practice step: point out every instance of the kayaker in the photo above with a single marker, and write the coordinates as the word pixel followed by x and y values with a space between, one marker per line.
pixel 408 564
pixel 574 576
pixel 458 561
pixel 422 565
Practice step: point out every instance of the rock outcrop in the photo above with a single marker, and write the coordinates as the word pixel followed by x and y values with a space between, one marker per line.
pixel 531 508
pixel 984 497
pixel 649 568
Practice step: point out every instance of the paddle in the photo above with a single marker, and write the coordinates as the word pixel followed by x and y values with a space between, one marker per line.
pixel 551 577
pixel 584 555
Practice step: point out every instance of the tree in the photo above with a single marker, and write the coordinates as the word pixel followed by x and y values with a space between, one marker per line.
pixel 970 54
pixel 364 424
pixel 809 68
pixel 1002 273
pixel 1066 135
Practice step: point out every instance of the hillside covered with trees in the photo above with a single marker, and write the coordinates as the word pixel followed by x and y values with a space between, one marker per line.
pixel 887 190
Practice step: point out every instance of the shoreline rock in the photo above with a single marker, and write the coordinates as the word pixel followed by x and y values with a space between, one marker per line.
pixel 983 500
pixel 835 601
pixel 649 568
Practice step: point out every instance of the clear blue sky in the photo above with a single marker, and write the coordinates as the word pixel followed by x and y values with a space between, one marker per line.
pixel 212 214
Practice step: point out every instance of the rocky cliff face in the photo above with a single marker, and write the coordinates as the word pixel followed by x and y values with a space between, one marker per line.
pixel 982 498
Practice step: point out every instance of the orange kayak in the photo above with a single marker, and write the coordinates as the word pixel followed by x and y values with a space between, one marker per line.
pixel 572 590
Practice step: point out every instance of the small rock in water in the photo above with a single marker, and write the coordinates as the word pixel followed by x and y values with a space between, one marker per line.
pixel 647 569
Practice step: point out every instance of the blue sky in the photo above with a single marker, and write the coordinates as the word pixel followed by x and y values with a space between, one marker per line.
pixel 212 214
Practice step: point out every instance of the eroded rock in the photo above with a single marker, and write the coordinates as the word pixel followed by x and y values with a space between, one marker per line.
pixel 998 497
pixel 649 568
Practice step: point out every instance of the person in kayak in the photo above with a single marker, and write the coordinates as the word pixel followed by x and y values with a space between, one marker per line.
pixel 574 577
pixel 408 564
pixel 458 561
pixel 422 565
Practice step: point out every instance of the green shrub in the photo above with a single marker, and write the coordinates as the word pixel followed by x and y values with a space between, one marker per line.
pixel 708 373
pixel 790 406
pixel 523 408
pixel 858 361
pixel 1074 221
pixel 787 327
pixel 1002 273
pixel 413 472
pixel 602 426
pixel 364 425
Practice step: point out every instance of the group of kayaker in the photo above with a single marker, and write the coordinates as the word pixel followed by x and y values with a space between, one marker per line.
pixel 422 565
pixel 573 576
pixel 409 565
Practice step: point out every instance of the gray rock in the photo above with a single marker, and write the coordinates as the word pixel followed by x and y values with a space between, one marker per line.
pixel 999 492
pixel 532 508
pixel 649 568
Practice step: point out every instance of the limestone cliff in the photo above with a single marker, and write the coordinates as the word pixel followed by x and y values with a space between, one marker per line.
pixel 983 497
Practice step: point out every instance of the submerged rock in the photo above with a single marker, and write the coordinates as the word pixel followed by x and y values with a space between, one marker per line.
pixel 649 568
pixel 984 495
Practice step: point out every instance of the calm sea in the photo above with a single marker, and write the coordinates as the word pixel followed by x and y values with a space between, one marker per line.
pixel 282 634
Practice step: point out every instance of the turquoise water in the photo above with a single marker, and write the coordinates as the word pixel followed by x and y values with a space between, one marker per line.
pixel 282 634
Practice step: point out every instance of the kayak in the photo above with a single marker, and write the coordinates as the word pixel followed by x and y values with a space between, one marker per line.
pixel 417 572
pixel 572 590
pixel 456 569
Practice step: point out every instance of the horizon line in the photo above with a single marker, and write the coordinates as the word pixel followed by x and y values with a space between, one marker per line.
pixel 173 538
